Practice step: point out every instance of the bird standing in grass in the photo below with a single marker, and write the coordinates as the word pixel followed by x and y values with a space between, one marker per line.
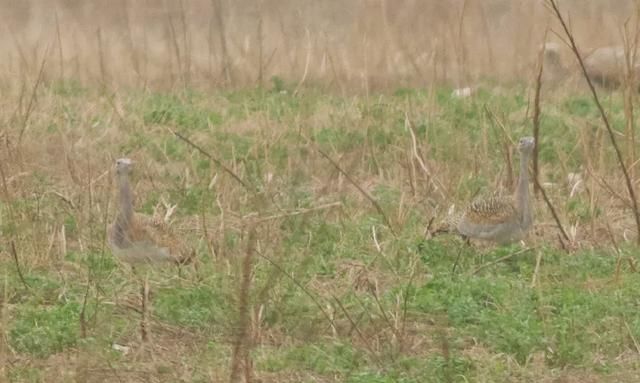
pixel 500 219
pixel 138 239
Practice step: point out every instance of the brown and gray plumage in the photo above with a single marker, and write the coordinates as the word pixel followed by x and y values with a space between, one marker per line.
pixel 137 238
pixel 605 66
pixel 500 219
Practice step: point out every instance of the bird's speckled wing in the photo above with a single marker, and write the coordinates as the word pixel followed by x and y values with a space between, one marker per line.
pixel 491 211
pixel 153 229
pixel 149 240
pixel 450 223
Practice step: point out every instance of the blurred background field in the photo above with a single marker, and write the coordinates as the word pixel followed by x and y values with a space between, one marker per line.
pixel 345 45
pixel 340 289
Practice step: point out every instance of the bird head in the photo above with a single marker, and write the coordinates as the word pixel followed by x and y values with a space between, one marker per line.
pixel 526 144
pixel 551 51
pixel 123 166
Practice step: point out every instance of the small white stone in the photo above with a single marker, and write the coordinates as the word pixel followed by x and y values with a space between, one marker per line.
pixel 461 92
pixel 123 349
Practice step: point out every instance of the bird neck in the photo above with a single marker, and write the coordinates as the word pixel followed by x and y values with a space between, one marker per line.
pixel 522 191
pixel 125 212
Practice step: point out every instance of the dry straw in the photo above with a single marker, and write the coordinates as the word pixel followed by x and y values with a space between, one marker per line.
pixel 351 45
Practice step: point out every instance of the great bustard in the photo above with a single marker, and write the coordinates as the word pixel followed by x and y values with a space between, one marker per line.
pixel 499 219
pixel 139 239
pixel 605 66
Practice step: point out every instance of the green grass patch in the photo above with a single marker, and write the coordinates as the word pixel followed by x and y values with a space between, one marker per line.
pixel 45 330
pixel 180 111
pixel 196 307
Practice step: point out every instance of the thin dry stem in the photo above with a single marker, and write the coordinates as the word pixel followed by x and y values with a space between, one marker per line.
pixel 144 309
pixel 32 98
pixel 226 62
pixel 364 339
pixel 536 117
pixel 4 336
pixel 101 59
pixel 536 270
pixel 437 185
pixel 298 212
pixel 16 260
pixel 306 64
pixel 501 259
pixel 227 170
pixel 60 52
pixel 605 120
pixel 241 344
pixel 301 287
pixel 360 189
pixel 556 218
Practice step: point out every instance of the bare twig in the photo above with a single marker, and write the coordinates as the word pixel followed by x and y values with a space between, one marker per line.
pixel 260 31
pixel 605 120
pixel 205 230
pixel 241 342
pixel 299 212
pixel 12 242
pixel 304 289
pixel 360 189
pixel 185 46
pixel 176 46
pixel 385 317
pixel 507 143
pixel 4 360
pixel 552 210
pixel 405 305
pixel 536 270
pixel 306 65
pixel 536 116
pixel 481 267
pixel 214 159
pixel 633 338
pixel 59 38
pixel 14 254
pixel 144 307
pixel 498 122
pixel 360 334
pixel 603 183
pixel 437 185
pixel 103 68
pixel 83 311
pixel 226 64
pixel 462 58
pixel 630 80
pixel 65 199
pixel 375 240
pixel 32 99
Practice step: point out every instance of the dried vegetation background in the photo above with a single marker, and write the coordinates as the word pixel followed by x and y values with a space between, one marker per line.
pixel 348 45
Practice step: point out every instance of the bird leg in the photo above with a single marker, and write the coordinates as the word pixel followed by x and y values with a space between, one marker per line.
pixel 144 302
pixel 143 313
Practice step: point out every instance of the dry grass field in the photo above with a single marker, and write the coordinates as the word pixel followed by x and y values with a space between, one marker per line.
pixel 310 148
pixel 350 46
